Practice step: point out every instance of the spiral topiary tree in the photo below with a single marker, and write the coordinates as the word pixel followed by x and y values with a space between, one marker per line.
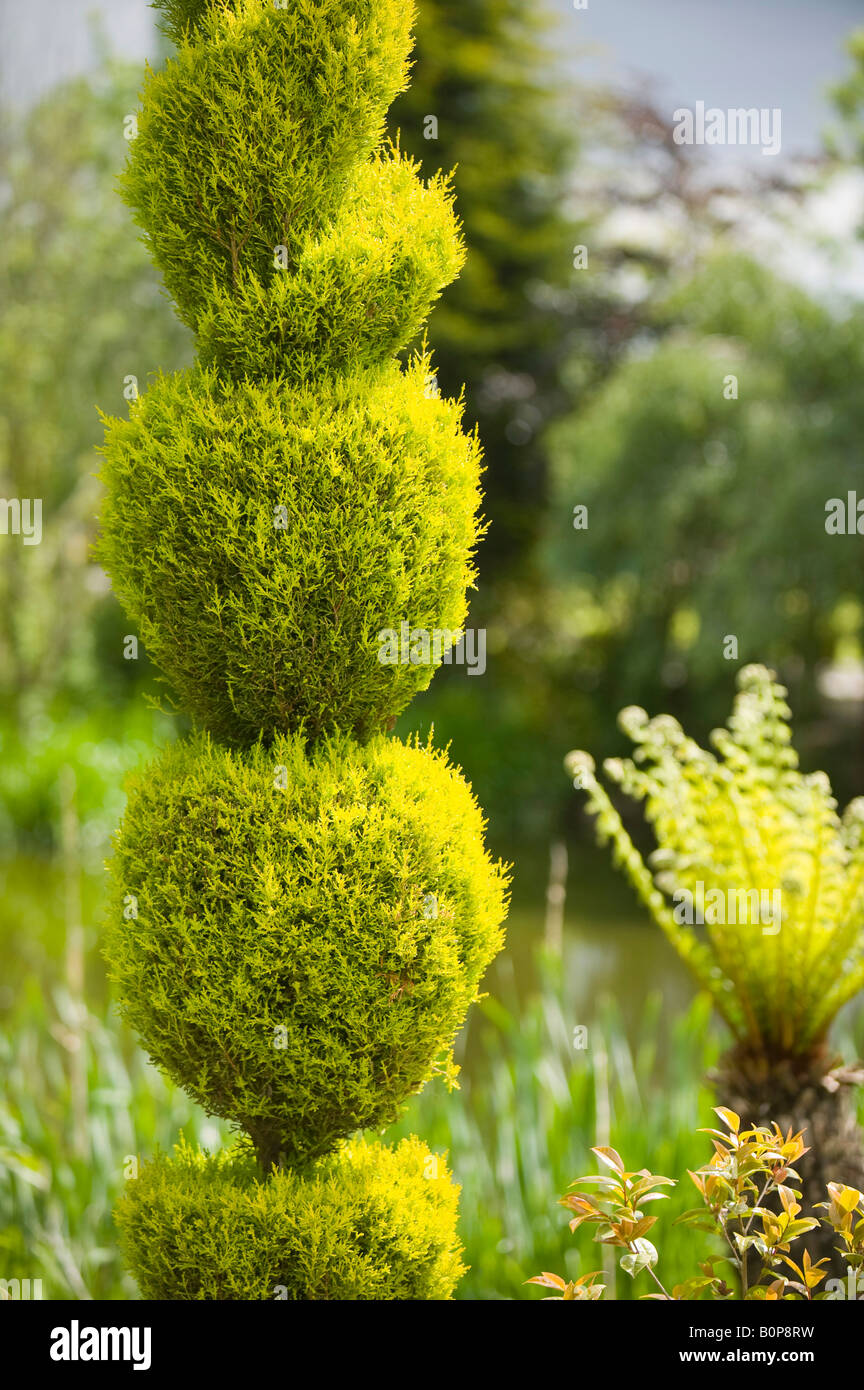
pixel 303 906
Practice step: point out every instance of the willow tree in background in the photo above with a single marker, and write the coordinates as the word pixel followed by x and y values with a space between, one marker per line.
pixel 696 549
pixel 304 908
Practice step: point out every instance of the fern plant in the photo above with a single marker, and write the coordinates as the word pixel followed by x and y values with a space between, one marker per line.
pixel 758 884
pixel 303 907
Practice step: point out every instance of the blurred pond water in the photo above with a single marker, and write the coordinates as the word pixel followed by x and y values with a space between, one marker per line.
pixel 611 950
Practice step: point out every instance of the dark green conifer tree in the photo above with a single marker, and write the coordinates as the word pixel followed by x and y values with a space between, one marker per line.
pixel 483 102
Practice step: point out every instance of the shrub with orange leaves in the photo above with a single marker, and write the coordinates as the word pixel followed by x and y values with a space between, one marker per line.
pixel 750 1167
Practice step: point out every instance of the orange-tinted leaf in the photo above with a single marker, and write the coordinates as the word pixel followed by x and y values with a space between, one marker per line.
pixel 548 1281
pixel 728 1117
pixel 612 1159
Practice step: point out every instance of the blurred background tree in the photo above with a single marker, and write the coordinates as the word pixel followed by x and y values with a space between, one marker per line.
pixel 705 467
pixel 480 104
pixel 845 140
pixel 526 329
pixel 83 315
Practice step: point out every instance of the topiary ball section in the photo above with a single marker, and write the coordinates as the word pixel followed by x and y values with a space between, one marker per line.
pixel 296 936
pixel 262 535
pixel 249 136
pixel 357 293
pixel 369 1222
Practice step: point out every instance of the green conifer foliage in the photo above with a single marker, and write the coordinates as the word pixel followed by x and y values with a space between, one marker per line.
pixel 197 1226
pixel 251 137
pixel 264 534
pixel 305 256
pixel 303 908
pixel 302 956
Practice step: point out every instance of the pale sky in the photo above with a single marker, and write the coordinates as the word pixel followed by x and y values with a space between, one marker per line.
pixel 771 53
pixel 42 41
pixel 727 53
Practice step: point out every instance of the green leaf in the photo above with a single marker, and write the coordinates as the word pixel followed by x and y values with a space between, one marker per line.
pixel 643 1257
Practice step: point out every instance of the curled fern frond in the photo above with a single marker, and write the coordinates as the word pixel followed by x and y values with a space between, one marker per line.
pixel 756 881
